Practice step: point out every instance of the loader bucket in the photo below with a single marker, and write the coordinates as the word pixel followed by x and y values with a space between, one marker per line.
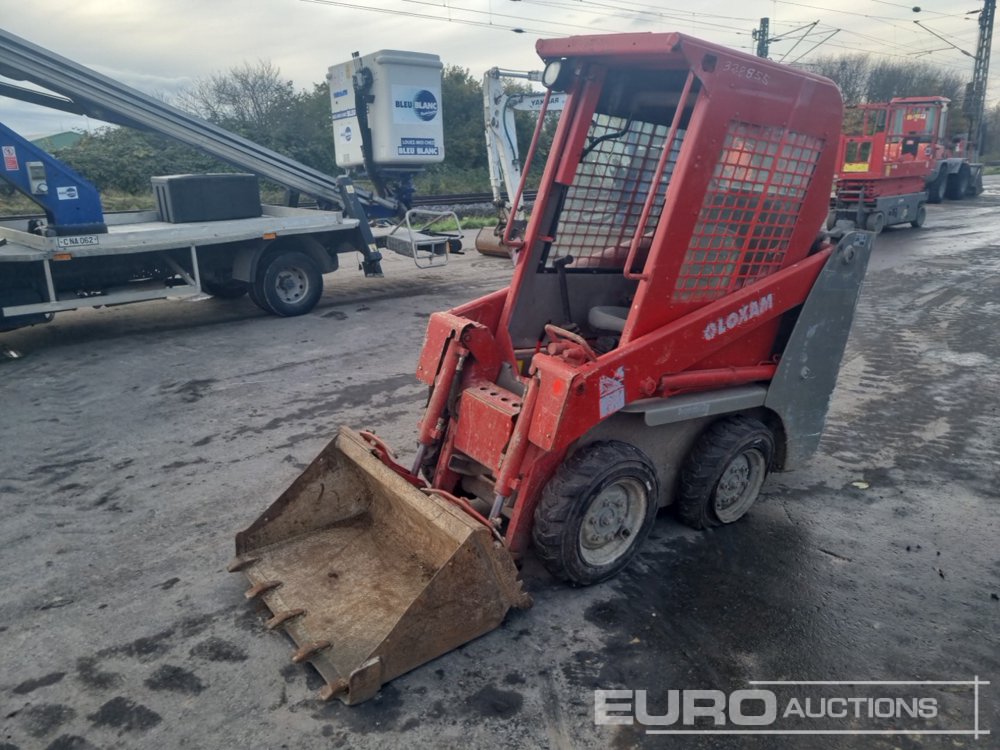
pixel 369 576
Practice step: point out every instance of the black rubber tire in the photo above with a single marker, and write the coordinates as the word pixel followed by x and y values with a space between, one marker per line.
pixel 920 217
pixel 936 189
pixel 225 289
pixel 258 301
pixel 718 449
pixel 875 222
pixel 958 183
pixel 287 284
pixel 977 185
pixel 583 478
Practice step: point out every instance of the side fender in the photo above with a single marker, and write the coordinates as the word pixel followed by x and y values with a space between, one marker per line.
pixel 248 258
pixel 803 383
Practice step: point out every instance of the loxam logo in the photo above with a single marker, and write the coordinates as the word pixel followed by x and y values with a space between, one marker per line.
pixel 746 313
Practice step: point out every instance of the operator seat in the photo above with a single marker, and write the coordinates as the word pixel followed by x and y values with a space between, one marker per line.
pixel 607 318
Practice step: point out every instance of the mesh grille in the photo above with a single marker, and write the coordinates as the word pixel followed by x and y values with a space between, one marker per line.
pixel 603 205
pixel 749 212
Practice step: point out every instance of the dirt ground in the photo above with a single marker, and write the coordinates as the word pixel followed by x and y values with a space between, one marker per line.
pixel 138 440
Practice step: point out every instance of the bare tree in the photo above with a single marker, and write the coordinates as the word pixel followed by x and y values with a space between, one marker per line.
pixel 252 99
pixel 849 72
pixel 863 79
pixel 888 79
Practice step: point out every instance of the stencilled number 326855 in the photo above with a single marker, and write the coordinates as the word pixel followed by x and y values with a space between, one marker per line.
pixel 746 72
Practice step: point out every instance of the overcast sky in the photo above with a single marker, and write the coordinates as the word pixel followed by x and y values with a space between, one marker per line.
pixel 161 46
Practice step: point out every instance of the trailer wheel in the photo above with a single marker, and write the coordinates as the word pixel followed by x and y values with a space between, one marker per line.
pixel 958 183
pixel 595 512
pixel 935 191
pixel 920 217
pixel 288 284
pixel 875 222
pixel 722 476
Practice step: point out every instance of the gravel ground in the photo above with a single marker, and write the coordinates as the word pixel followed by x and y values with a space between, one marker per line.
pixel 137 440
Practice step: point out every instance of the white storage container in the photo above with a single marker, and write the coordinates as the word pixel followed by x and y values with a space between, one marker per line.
pixel 404 114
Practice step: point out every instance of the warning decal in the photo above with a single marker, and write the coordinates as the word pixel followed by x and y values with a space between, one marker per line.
pixel 612 392
pixel 9 158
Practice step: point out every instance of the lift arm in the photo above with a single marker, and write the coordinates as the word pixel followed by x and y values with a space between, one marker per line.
pixel 71 204
pixel 101 97
pixel 501 131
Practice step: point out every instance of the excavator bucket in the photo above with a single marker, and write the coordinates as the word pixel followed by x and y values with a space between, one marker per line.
pixel 369 576
pixel 488 242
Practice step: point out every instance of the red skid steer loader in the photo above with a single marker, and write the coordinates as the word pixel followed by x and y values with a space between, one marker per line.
pixel 672 333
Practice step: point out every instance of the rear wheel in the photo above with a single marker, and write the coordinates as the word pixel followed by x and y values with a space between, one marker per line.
pixel 25 295
pixel 977 184
pixel 920 217
pixel 595 512
pixel 722 476
pixel 936 189
pixel 958 183
pixel 875 222
pixel 252 291
pixel 288 284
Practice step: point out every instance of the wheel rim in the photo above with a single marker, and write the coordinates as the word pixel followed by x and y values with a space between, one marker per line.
pixel 613 521
pixel 739 484
pixel 291 284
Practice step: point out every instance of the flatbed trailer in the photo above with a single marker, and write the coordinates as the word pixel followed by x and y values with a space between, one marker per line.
pixel 278 257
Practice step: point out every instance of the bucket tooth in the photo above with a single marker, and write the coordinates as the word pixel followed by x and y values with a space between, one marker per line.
pixel 334 690
pixel 392 577
pixel 280 618
pixel 240 563
pixel 260 588
pixel 309 650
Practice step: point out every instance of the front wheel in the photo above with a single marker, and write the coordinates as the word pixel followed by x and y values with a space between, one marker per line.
pixel 920 217
pixel 936 189
pixel 288 284
pixel 722 476
pixel 958 183
pixel 875 222
pixel 977 185
pixel 595 512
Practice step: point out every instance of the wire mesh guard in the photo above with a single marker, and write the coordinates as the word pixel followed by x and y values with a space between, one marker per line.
pixel 749 212
pixel 603 205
